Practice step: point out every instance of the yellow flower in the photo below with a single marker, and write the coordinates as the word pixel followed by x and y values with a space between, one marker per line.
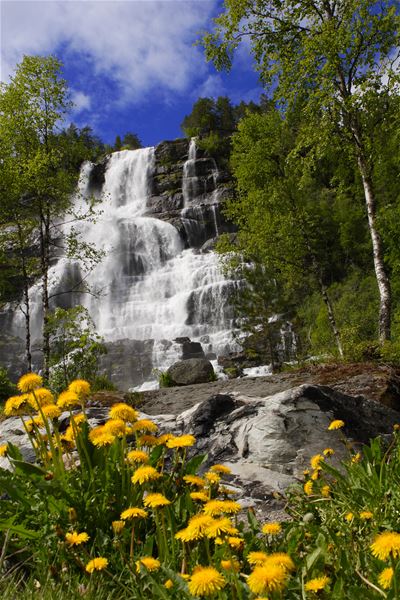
pixel 68 400
pixel 201 496
pixel 365 515
pixel 306 472
pixel 281 559
pixel 29 382
pixel 349 517
pixel 77 419
pixel 194 480
pixel 104 439
pixel 257 558
pixel 272 528
pixel 15 406
pixel 308 487
pixel 163 439
pixel 316 460
pixel 169 584
pixel 386 544
pixel 118 526
pixel 356 458
pixel 75 538
pixel 212 477
pixel 133 513
pixel 315 475
pixel 328 452
pixel 196 528
pixel 137 456
pixel 147 440
pixel 205 581
pixel 181 441
pixel 267 578
pixel 230 565
pixel 316 584
pixel 325 491
pixel 236 542
pixel 96 564
pixel 51 411
pixel 3 450
pixel 221 469
pixel 151 564
pixel 123 411
pixel 385 578
pixel 217 507
pixel 41 396
pixel 220 526
pixel 156 500
pixel 337 424
pixel 116 427
pixel 144 474
pixel 145 425
pixel 79 387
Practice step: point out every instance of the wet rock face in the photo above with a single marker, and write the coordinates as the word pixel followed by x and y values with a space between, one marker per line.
pixel 127 362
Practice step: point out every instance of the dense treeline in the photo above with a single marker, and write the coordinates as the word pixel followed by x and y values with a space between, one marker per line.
pixel 317 173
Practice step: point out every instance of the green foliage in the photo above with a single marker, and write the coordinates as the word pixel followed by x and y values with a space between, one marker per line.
pixel 7 388
pixel 164 379
pixel 75 348
pixel 102 383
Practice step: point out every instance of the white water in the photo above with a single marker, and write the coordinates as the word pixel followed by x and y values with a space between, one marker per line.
pixel 150 286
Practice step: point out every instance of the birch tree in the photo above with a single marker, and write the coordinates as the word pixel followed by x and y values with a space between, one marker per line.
pixel 340 55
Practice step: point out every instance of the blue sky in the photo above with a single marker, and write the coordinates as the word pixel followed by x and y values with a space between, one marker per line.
pixel 130 64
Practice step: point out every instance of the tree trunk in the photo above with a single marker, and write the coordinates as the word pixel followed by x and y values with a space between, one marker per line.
pixel 331 314
pixel 385 295
pixel 26 300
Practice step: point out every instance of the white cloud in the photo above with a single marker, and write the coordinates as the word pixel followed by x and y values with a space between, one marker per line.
pixel 141 45
pixel 212 87
pixel 80 101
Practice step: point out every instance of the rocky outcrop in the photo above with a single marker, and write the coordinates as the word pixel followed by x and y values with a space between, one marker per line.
pixel 191 371
pixel 128 362
pixel 266 440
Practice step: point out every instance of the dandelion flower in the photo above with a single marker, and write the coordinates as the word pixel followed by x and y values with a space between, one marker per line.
pixel 78 419
pixel 212 477
pixel 68 400
pixel 181 441
pixel 221 469
pixel 267 578
pixel 15 406
pixel 3 449
pixel 366 515
pixel 137 456
pixel 281 559
pixel 151 564
pixel 29 382
pixel 116 427
pixel 40 397
pixel 230 565
pixel 317 584
pixel 328 452
pixel 315 461
pixel 51 411
pixel 147 440
pixel 235 542
pixel 385 578
pixel 123 411
pixel 337 424
pixel 218 507
pixel 308 487
pixel 169 584
pixel 79 387
pixel 196 528
pixel 349 517
pixel 156 500
pixel 75 538
pixel 325 491
pixel 163 439
pixel 356 458
pixel 133 513
pixel 200 496
pixel 272 528
pixel 194 480
pixel 145 474
pixel 257 558
pixel 118 526
pixel 104 439
pixel 145 425
pixel 220 526
pixel 206 581
pixel 386 544
pixel 96 564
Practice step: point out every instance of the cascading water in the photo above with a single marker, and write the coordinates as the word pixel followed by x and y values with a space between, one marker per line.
pixel 150 287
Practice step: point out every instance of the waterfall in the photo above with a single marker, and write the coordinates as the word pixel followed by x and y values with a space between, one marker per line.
pixel 149 286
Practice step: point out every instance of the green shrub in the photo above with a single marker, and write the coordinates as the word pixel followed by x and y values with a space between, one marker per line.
pixel 102 382
pixel 164 379
pixel 7 388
